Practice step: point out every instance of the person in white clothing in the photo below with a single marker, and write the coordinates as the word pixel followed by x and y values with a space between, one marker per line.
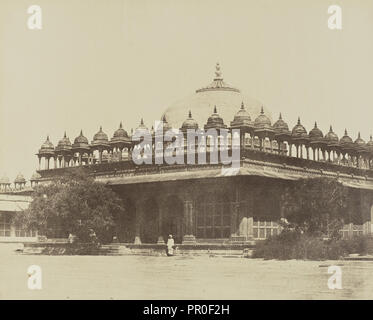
pixel 170 246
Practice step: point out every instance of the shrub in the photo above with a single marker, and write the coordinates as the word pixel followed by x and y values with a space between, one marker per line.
pixel 294 245
pixel 75 204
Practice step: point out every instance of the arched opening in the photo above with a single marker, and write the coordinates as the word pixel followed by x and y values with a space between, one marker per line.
pixel 172 219
pixel 149 230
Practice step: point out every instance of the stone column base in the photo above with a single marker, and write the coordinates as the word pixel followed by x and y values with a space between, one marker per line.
pixel 137 240
pixel 160 240
pixel 189 239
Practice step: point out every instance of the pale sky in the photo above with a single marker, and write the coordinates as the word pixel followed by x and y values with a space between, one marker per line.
pixel 100 62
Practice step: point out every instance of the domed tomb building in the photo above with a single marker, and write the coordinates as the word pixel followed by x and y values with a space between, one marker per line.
pixel 215 202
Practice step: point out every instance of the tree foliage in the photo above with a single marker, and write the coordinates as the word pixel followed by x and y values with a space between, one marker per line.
pixel 316 206
pixel 75 204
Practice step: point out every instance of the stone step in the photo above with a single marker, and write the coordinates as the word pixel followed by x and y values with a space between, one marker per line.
pixel 147 249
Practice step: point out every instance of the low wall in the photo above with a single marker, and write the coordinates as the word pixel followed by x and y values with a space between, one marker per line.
pixel 17 239
pixel 238 250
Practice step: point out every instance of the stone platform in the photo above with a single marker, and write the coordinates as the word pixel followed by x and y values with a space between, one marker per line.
pixel 119 249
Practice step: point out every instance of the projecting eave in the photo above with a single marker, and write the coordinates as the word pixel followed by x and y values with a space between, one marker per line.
pixel 248 168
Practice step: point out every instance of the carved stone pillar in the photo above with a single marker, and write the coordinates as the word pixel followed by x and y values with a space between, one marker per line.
pixel 138 221
pixel 234 213
pixel 100 156
pixel 188 237
pixel 160 231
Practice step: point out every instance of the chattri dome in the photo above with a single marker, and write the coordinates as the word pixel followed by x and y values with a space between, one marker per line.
pixel 64 144
pixel 346 143
pixel 359 141
pixel 20 178
pixel 281 130
pixel 46 149
pixel 299 131
pixel 189 123
pixel 100 136
pixel 80 142
pixel 81 139
pixel 215 121
pixel 218 93
pixel 47 145
pixel 359 144
pixel 120 132
pixel 142 128
pixel 316 133
pixel 166 126
pixel 280 125
pixel 331 137
pixel 65 141
pixel 242 116
pixel 262 120
pixel 345 139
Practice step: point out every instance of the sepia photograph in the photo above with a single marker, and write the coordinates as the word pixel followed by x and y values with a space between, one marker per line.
pixel 159 150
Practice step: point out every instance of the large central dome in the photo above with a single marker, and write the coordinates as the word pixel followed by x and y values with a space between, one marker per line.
pixel 226 98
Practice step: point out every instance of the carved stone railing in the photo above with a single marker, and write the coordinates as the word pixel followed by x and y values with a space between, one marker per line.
pixel 117 167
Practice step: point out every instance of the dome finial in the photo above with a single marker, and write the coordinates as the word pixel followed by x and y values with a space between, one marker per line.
pixel 330 129
pixel 280 116
pixel 100 128
pixel 48 137
pixel 315 124
pixel 262 110
pixel 358 135
pixel 190 114
pixel 120 125
pixel 81 132
pixel 64 135
pixel 142 121
pixel 298 120
pixel 345 132
pixel 215 110
pixel 218 75
pixel 242 106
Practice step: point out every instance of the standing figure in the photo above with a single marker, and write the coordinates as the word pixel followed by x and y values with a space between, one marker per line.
pixel 170 246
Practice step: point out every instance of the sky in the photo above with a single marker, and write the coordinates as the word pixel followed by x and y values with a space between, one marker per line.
pixel 100 62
